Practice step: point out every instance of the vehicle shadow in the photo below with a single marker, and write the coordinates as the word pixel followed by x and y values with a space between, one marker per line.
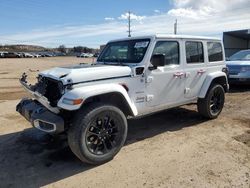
pixel 239 88
pixel 33 159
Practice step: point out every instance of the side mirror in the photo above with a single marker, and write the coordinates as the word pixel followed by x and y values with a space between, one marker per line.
pixel 158 60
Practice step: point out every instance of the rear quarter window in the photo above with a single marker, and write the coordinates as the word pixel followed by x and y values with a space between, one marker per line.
pixel 214 51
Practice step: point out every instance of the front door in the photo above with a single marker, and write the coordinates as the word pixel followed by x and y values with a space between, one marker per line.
pixel 165 85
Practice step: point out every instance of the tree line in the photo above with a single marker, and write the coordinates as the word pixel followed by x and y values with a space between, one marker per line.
pixel 33 48
pixel 76 49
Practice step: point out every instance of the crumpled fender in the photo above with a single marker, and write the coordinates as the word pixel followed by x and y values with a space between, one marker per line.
pixel 210 77
pixel 94 90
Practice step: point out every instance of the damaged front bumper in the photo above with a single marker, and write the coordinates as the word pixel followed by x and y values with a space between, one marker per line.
pixel 39 112
pixel 40 117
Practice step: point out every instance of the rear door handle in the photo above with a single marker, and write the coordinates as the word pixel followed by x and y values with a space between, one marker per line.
pixel 178 74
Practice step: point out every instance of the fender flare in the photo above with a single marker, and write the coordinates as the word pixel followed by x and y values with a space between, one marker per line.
pixel 209 79
pixel 86 92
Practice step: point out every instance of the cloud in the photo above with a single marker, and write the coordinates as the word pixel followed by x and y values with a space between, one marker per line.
pixel 204 8
pixel 157 11
pixel 132 17
pixel 109 19
pixel 194 17
pixel 68 35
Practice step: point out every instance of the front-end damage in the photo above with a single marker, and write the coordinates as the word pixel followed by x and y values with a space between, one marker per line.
pixel 42 111
pixel 40 117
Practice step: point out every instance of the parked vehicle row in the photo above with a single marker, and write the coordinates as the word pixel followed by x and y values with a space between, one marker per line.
pixel 85 55
pixel 29 54
pixel 88 55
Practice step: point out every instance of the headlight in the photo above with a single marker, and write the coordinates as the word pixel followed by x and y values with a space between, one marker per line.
pixel 72 101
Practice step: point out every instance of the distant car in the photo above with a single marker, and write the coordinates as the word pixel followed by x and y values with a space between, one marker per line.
pixel 48 55
pixel 21 54
pixel 85 55
pixel 28 55
pixel 2 54
pixel 59 54
pixel 239 67
pixel 42 54
pixel 96 54
pixel 36 55
pixel 12 55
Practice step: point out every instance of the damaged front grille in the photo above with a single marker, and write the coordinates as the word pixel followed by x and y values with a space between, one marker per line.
pixel 51 89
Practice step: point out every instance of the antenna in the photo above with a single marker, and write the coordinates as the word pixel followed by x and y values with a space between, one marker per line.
pixel 129 24
pixel 175 27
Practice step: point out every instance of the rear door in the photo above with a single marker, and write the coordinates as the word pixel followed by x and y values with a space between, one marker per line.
pixel 195 67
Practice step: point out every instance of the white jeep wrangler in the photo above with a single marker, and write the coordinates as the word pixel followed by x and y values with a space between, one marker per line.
pixel 132 77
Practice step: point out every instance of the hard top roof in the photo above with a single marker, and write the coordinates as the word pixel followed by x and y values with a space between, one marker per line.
pixel 165 36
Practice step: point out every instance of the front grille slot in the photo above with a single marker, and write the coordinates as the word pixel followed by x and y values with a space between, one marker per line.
pixel 51 89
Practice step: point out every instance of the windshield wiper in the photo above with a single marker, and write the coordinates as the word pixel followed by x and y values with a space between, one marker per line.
pixel 119 61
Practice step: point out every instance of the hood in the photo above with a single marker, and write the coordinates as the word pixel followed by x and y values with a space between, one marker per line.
pixel 86 72
pixel 237 63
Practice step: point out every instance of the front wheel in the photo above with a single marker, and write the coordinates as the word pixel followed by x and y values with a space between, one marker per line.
pixel 212 105
pixel 98 133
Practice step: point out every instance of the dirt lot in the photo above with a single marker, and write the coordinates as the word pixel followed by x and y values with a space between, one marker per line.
pixel 174 148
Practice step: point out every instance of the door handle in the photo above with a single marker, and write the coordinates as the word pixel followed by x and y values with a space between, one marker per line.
pixel 178 74
pixel 201 71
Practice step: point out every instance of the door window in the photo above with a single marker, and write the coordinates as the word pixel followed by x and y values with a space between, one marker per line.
pixel 171 51
pixel 194 52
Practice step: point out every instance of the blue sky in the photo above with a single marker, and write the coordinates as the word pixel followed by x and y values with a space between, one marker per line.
pixel 23 15
pixel 91 23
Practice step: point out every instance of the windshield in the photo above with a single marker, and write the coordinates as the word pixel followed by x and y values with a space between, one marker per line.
pixel 130 51
pixel 241 55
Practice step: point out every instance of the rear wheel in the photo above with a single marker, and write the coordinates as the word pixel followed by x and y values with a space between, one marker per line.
pixel 98 133
pixel 212 105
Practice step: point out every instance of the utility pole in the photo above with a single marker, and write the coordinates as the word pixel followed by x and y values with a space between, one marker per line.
pixel 129 24
pixel 175 27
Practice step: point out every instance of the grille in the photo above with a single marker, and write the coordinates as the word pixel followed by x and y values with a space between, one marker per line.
pixel 51 89
pixel 234 70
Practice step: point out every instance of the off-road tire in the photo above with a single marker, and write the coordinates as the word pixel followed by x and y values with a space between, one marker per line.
pixel 86 121
pixel 205 105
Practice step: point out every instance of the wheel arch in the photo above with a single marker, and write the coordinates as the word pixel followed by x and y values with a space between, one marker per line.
pixel 113 98
pixel 114 94
pixel 214 78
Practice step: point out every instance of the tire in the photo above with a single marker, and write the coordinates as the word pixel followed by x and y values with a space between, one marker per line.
pixel 97 133
pixel 212 105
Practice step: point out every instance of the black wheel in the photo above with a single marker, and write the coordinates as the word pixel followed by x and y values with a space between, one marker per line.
pixel 212 105
pixel 98 133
